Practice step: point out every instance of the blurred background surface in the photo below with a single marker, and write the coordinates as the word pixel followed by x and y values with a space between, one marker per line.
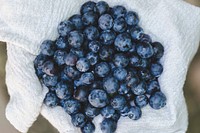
pixel 191 91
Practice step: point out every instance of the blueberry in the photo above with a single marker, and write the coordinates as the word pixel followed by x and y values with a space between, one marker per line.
pixel 144 50
pixel 145 74
pixel 65 27
pixel 71 106
pixel 119 25
pixel 88 6
pixel 118 102
pixel 139 89
pixel 105 22
pixel 135 60
pixel 71 72
pixel 107 37
pixel 49 80
pixel 124 112
pixel 107 112
pixel 157 100
pixel 71 59
pixel 133 48
pixel 63 91
pixel 158 50
pixel 78 120
pixel 98 98
pixel 112 65
pixel 59 57
pixel 47 47
pixel 77 52
pixel 39 61
pixel 88 128
pixel 91 33
pixel 145 38
pixel 62 43
pixel 106 53
pixel 116 116
pixel 91 111
pixel 81 93
pixel 39 73
pixel 120 60
pixel 120 73
pixel 132 18
pixel 141 100
pixel 111 85
pixel 156 69
pixel 87 78
pixel 131 79
pixel 123 89
pixel 75 39
pixel 102 69
pixel 135 32
pixel 97 84
pixel 89 18
pixel 50 99
pixel 118 11
pixel 134 113
pixel 129 96
pixel 92 58
pixel 123 42
pixel 102 7
pixel 94 46
pixel 153 86
pixel 108 126
pixel 77 21
pixel 49 68
pixel 83 65
pixel 64 77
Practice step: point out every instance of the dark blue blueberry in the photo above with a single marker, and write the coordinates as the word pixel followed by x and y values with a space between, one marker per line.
pixel 88 128
pixel 83 65
pixel 47 47
pixel 49 80
pixel 59 57
pixel 123 89
pixel 158 50
pixel 49 68
pixel 39 72
pixel 81 93
pixel 145 74
pixel 118 11
pixel 62 43
pixel 141 100
pixel 39 61
pixel 133 48
pixel 135 60
pixel 71 106
pixel 94 46
pixel 65 27
pixel 102 69
pixel 107 112
pixel 102 7
pixel 79 120
pixel 153 86
pixel 157 100
pixel 90 18
pixel 156 69
pixel 63 91
pixel 132 102
pixel 131 79
pixel 92 58
pixel 107 37
pixel 129 96
pixel 71 72
pixel 118 102
pixel 91 33
pixel 78 52
pixel 139 89
pixel 145 38
pixel 64 77
pixel 105 22
pixel 123 42
pixel 124 112
pixel 134 113
pixel 120 73
pixel 91 111
pixel 135 32
pixel 144 63
pixel 116 116
pixel 77 21
pixel 132 18
pixel 108 126
pixel 50 99
pixel 111 85
pixel 88 6
pixel 144 50
pixel 119 25
pixel 112 66
pixel 106 53
pixel 87 78
pixel 75 39
pixel 120 60
pixel 98 98
pixel 71 59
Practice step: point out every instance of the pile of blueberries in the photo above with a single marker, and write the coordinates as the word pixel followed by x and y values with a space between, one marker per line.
pixel 101 63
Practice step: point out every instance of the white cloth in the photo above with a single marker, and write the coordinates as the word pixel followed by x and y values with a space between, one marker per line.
pixel 24 24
